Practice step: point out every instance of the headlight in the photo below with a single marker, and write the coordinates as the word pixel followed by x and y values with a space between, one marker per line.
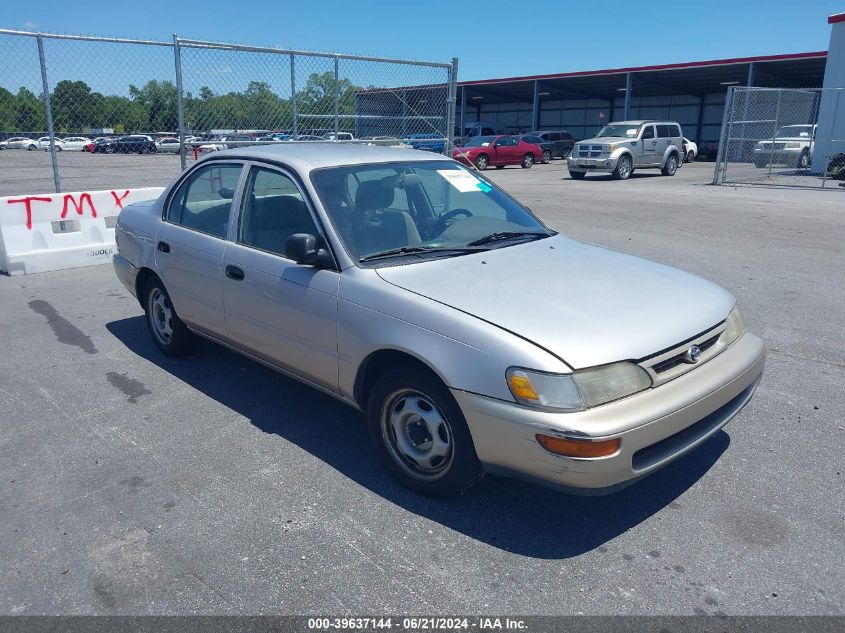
pixel 733 327
pixel 579 390
pixel 610 148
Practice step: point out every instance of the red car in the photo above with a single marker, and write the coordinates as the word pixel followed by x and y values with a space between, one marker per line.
pixel 483 151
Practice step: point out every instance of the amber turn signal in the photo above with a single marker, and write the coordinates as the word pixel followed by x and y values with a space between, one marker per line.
pixel 578 448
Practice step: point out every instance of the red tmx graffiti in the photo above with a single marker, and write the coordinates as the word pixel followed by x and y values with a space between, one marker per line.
pixel 68 201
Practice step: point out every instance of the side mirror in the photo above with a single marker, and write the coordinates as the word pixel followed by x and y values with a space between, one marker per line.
pixel 302 248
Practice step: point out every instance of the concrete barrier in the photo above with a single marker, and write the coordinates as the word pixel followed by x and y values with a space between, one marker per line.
pixel 55 231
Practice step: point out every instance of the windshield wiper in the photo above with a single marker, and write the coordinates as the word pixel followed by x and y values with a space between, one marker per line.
pixel 411 250
pixel 505 235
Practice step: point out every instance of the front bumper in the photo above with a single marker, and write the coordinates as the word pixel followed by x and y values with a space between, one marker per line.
pixel 603 163
pixel 126 272
pixel 655 426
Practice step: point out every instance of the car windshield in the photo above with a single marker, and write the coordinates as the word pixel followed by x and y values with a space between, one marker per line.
pixel 619 130
pixel 795 131
pixel 480 141
pixel 420 209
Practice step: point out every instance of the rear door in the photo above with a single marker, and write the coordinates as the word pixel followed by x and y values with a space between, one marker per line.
pixel 191 241
pixel 665 139
pixel 276 309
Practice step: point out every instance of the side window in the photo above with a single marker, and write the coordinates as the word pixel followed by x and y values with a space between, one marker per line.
pixel 664 131
pixel 487 131
pixel 648 132
pixel 566 136
pixel 553 136
pixel 272 210
pixel 204 200
pixel 676 131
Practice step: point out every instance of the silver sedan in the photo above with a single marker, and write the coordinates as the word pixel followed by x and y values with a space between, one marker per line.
pixel 475 338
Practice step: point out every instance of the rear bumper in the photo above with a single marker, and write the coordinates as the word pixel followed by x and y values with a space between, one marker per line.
pixel 126 272
pixel 655 426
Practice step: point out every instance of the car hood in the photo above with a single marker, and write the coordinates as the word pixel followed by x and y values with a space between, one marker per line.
pixel 606 139
pixel 585 304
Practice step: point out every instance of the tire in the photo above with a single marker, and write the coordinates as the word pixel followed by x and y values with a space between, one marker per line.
pixel 547 157
pixel 500 166
pixel 690 156
pixel 577 175
pixel 671 165
pixel 624 168
pixel 482 162
pixel 565 153
pixel 169 333
pixel 803 160
pixel 420 433
pixel 109 150
pixel 527 161
pixel 31 148
pixel 58 148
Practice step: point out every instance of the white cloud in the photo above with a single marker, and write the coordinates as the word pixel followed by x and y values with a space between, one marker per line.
pixel 30 26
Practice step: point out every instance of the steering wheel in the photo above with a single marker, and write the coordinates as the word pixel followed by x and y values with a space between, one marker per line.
pixel 442 221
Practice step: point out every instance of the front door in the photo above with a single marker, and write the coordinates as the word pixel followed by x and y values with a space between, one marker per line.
pixel 191 241
pixel 281 311
pixel 649 150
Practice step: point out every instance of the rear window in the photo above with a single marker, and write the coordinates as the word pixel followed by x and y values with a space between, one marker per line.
pixel 664 131
pixel 532 139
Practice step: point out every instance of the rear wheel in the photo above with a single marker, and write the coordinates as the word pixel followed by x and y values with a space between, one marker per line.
pixel 169 333
pixel 31 148
pixel 481 162
pixel 690 156
pixel 420 433
pixel 547 157
pixel 565 153
pixel 671 165
pixel 624 168
pixel 528 161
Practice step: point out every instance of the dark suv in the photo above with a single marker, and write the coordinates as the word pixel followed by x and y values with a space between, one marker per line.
pixel 134 144
pixel 562 142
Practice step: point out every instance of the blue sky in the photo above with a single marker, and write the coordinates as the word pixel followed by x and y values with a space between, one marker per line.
pixel 495 39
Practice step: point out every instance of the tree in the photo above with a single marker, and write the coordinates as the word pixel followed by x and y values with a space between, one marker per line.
pixel 31 116
pixel 158 98
pixel 73 105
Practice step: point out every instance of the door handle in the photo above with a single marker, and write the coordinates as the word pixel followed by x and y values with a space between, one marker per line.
pixel 654 142
pixel 164 247
pixel 233 272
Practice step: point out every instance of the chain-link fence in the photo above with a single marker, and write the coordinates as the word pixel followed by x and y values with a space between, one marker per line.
pixel 783 137
pixel 86 107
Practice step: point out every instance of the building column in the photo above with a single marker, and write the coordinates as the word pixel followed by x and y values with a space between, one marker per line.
pixel 750 81
pixel 535 108
pixel 627 114
pixel 463 108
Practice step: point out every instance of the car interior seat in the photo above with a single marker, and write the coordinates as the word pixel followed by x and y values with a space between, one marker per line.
pixel 376 226
pixel 271 220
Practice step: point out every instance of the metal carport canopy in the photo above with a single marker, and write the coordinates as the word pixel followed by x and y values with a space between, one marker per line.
pixel 799 70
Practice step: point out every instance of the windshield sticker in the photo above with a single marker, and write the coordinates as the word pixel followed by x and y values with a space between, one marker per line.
pixel 631 132
pixel 462 180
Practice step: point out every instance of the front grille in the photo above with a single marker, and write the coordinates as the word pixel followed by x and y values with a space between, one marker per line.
pixel 589 151
pixel 680 359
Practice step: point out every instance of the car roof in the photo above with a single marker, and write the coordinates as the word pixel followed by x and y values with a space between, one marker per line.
pixel 314 155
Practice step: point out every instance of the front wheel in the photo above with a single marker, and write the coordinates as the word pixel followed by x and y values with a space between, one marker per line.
pixel 671 165
pixel 804 160
pixel 482 162
pixel 547 157
pixel 527 161
pixel 420 433
pixel 32 148
pixel 169 333
pixel 624 168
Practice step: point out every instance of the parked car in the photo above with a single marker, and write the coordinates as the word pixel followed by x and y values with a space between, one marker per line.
pixel 690 150
pixel 426 142
pixel 384 141
pixel 479 128
pixel 620 148
pixel 74 143
pixel 792 146
pixel 373 284
pixel 133 144
pixel 546 146
pixel 21 142
pixel 340 136
pixel 562 142
pixel 836 167
pixel 168 145
pixel 44 143
pixel 307 137
pixel 498 151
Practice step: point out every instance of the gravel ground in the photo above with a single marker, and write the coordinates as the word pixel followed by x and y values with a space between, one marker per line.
pixel 136 484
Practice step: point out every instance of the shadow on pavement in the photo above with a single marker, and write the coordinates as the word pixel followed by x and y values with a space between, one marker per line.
pixel 514 516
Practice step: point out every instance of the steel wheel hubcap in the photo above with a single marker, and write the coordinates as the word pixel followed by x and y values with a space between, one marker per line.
pixel 624 167
pixel 417 434
pixel 161 316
